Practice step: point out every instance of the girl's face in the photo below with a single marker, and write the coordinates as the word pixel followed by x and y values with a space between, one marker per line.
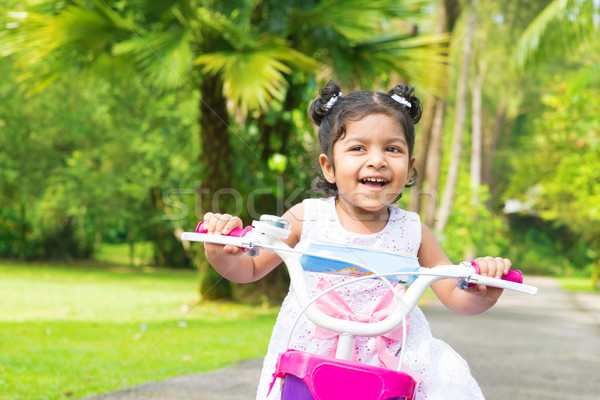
pixel 372 164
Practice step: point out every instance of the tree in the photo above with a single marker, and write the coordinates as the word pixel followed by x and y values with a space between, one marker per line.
pixel 80 161
pixel 563 26
pixel 238 56
pixel 428 156
pixel 559 178
pixel 431 150
pixel 459 121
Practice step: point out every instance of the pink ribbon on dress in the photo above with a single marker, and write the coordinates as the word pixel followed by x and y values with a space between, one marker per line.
pixel 335 306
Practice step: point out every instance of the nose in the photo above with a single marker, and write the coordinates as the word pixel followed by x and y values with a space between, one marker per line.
pixel 377 159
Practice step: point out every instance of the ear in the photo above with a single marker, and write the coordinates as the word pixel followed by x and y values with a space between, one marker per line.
pixel 411 166
pixel 327 168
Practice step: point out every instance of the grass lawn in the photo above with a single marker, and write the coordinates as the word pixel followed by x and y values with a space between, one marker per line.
pixel 576 284
pixel 121 253
pixel 74 331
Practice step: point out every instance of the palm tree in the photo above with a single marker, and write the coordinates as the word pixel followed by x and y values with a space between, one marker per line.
pixel 238 56
pixel 563 26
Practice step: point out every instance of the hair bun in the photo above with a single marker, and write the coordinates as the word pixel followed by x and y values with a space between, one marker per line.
pixel 319 109
pixel 408 93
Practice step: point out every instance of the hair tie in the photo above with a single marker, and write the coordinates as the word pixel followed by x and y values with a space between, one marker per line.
pixel 332 101
pixel 401 100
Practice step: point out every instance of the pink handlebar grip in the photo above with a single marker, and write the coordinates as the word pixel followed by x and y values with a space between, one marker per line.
pixel 514 275
pixel 237 232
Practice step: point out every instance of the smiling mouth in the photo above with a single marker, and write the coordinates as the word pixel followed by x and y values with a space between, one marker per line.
pixel 374 182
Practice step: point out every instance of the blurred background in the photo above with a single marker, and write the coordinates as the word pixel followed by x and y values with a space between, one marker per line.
pixel 123 121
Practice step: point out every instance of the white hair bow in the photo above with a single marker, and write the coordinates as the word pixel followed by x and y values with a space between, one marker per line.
pixel 332 101
pixel 401 100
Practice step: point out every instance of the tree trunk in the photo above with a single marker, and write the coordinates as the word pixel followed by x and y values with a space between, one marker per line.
pixel 131 242
pixel 422 153
pixel 160 229
pixel 459 122
pixel 476 139
pixel 448 13
pixel 488 165
pixel 22 230
pixel 214 158
pixel 434 161
pixel 596 275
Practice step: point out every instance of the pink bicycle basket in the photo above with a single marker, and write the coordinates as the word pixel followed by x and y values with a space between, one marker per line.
pixel 313 377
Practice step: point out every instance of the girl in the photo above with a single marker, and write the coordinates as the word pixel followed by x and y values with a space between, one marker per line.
pixel 367 141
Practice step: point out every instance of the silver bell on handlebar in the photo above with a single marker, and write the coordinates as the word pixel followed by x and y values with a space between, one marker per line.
pixel 273 225
pixel 277 222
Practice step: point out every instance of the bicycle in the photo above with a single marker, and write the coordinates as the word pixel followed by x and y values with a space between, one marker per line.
pixel 307 376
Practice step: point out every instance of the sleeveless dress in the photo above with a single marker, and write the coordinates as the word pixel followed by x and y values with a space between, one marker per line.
pixel 444 374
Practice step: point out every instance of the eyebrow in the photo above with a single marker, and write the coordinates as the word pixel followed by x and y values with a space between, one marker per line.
pixel 361 139
pixel 399 139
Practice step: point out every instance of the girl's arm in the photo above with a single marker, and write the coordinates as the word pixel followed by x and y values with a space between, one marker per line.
pixel 231 262
pixel 466 302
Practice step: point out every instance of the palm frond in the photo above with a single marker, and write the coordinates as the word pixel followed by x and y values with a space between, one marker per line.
pixel 253 77
pixel 561 27
pixel 355 20
pixel 46 46
pixel 421 61
pixel 164 57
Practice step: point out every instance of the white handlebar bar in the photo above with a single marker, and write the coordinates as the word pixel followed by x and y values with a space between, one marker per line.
pixel 268 238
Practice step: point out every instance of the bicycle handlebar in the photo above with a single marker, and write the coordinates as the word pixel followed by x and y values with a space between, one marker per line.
pixel 268 238
pixel 235 232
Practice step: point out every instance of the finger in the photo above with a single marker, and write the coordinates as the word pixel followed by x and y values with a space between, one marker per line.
pixel 211 222
pixel 234 222
pixel 232 250
pixel 206 220
pixel 221 221
pixel 500 267
pixel 507 265
pixel 483 264
pixel 494 267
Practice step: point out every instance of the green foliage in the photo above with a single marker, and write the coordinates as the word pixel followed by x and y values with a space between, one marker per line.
pixel 563 156
pixel 556 168
pixel 577 285
pixel 125 328
pixel 123 254
pixel 546 248
pixel 102 155
pixel 473 231
pixel 563 26
pixel 257 49
pixel 74 168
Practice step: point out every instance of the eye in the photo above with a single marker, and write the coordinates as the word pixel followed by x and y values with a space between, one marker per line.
pixel 394 149
pixel 357 148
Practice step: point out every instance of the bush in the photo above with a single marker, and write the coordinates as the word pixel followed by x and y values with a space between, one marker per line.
pixel 542 247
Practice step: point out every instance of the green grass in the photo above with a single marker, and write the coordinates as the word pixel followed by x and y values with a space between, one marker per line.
pixel 70 332
pixel 121 253
pixel 576 284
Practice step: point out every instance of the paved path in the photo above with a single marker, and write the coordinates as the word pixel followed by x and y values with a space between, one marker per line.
pixel 530 347
pixel 545 347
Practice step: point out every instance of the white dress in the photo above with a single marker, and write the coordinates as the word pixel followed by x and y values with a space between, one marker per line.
pixel 444 374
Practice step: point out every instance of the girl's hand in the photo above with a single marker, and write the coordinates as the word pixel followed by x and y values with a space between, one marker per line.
pixel 221 224
pixel 495 268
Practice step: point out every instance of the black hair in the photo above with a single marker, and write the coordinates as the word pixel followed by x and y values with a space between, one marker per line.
pixel 332 117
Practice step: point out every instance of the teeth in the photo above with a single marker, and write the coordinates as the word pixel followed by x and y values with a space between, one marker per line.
pixel 377 180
